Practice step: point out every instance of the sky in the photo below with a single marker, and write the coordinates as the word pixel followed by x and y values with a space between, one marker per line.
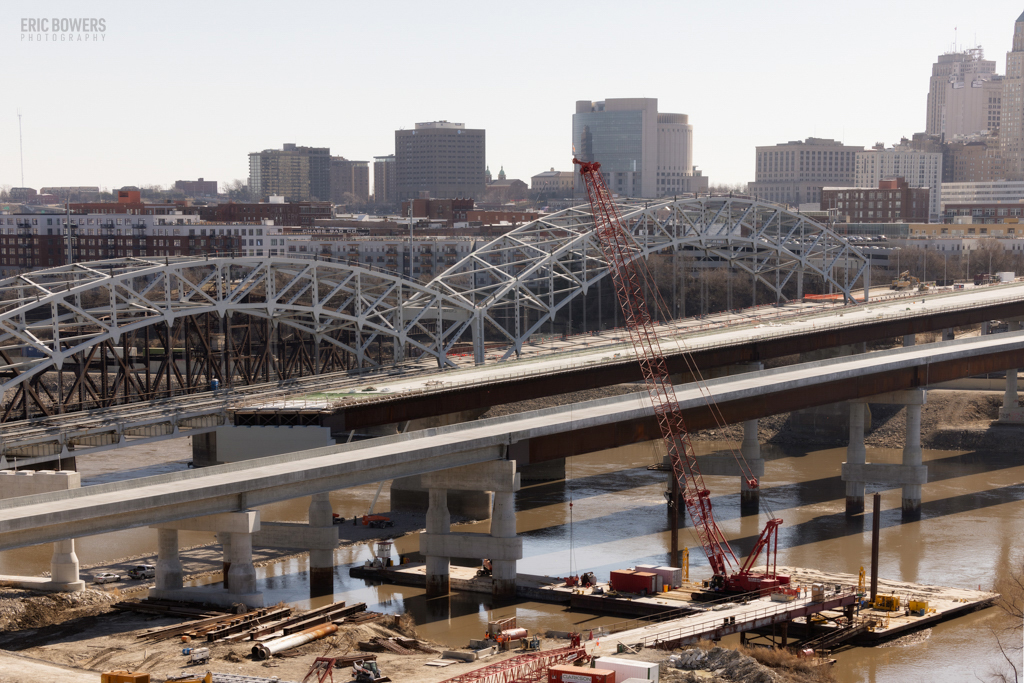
pixel 182 90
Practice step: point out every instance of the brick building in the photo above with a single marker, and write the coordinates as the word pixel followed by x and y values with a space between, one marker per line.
pixel 450 210
pixel 31 241
pixel 130 201
pixel 197 188
pixel 290 213
pixel 893 201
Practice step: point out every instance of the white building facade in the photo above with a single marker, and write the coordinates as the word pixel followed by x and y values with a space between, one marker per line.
pixel 794 172
pixel 919 169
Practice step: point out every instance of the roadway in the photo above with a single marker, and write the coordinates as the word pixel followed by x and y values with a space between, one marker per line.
pixel 30 520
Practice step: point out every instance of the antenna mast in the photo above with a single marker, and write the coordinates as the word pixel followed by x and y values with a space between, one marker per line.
pixel 21 149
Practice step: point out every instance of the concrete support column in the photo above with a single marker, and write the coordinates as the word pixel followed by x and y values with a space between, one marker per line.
pixel 503 525
pixel 1010 412
pixel 478 339
pixel 909 339
pixel 168 564
pixel 856 454
pixel 947 334
pixel 986 327
pixel 64 566
pixel 321 560
pixel 750 499
pixel 242 574
pixel 438 522
pixel 225 548
pixel 912 457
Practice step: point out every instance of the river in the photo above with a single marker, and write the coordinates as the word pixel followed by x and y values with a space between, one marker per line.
pixel 972 518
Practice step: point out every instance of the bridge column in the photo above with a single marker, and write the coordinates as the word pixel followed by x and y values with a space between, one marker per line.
pixel 478 339
pixel 909 339
pixel 503 525
pixel 856 454
pixel 912 458
pixel 242 573
pixel 750 499
pixel 225 549
pixel 168 563
pixel 321 560
pixel 438 522
pixel 1011 412
pixel 947 334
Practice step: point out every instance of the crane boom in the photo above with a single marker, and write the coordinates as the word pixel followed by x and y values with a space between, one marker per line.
pixel 621 255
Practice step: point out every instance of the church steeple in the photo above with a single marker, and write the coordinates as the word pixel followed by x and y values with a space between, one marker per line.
pixel 501 173
pixel 487 175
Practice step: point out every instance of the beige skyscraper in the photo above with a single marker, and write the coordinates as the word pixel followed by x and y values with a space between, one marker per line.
pixel 1011 129
pixel 953 67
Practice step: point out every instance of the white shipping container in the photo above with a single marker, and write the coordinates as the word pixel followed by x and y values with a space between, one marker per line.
pixel 670 576
pixel 628 668
pixel 1006 276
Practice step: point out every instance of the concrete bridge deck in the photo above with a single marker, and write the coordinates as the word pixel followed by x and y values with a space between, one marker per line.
pixel 550 433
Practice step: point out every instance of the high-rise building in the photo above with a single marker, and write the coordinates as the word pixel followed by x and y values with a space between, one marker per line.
pixel 349 178
pixel 972 161
pixel 921 169
pixel 953 67
pixel 1011 129
pixel 440 160
pixel 299 174
pixel 972 106
pixel 794 172
pixel 384 179
pixel 642 153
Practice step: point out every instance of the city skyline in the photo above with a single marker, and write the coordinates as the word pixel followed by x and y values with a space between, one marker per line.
pixel 187 104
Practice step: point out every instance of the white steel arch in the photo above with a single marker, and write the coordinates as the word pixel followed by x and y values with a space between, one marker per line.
pixel 517 282
pixel 48 316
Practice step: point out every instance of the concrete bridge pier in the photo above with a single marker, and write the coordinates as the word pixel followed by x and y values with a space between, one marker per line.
pixel 912 459
pixel 64 564
pixel 856 454
pixel 911 474
pixel 1011 411
pixel 750 499
pixel 168 562
pixel 947 334
pixel 439 522
pixel 235 530
pixel 439 544
pixel 321 560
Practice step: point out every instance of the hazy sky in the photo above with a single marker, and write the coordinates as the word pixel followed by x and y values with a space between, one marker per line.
pixel 187 89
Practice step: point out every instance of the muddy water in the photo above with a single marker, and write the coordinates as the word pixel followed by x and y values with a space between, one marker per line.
pixel 611 513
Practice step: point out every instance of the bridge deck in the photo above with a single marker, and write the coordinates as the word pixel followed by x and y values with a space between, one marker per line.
pixel 140 502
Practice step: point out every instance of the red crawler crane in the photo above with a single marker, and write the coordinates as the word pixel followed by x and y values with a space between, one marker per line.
pixel 619 251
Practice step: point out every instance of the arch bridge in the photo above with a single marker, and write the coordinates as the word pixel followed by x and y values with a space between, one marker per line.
pixel 104 333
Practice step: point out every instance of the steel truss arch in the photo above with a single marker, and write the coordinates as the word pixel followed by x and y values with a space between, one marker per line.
pixel 519 281
pixel 55 318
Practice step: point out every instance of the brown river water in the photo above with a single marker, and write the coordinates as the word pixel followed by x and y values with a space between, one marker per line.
pixel 969 534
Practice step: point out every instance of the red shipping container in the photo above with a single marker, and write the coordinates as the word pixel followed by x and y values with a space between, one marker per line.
pixel 567 673
pixel 629 581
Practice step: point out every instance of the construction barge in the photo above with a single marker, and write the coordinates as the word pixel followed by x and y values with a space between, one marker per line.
pixel 683 615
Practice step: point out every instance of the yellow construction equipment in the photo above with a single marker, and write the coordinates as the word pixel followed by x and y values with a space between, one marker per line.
pixel 861 583
pixel 887 603
pixel 905 281
pixel 124 677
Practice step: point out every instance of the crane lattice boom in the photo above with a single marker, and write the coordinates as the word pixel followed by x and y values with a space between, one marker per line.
pixel 620 253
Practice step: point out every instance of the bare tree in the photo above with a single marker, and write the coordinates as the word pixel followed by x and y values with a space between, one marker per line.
pixel 5 193
pixel 1008 637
